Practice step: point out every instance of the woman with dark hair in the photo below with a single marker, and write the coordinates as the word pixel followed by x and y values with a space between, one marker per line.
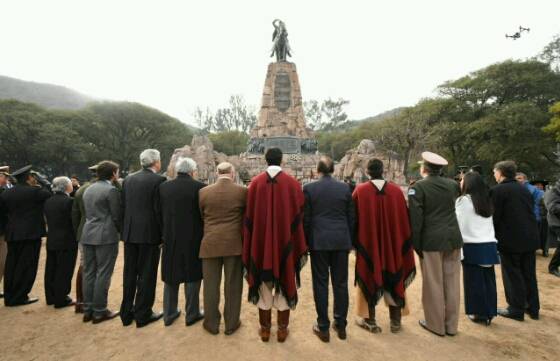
pixel 474 212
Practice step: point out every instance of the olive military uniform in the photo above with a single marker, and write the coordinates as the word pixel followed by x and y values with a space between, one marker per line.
pixel 437 240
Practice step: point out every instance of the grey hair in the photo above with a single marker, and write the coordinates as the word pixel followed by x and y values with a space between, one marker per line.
pixel 149 157
pixel 59 184
pixel 185 166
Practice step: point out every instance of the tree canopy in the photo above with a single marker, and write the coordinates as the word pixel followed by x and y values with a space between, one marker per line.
pixel 67 142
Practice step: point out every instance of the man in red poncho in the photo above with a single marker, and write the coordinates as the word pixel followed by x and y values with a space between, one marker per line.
pixel 274 248
pixel 384 254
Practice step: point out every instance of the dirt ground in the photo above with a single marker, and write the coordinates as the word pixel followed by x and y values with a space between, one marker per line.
pixel 39 332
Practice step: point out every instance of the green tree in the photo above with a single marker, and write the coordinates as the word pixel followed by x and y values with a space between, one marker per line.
pixel 553 127
pixel 230 142
pixel 313 114
pixel 551 53
pixel 121 130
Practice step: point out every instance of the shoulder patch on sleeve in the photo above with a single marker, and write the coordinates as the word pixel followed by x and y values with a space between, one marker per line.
pixel 411 191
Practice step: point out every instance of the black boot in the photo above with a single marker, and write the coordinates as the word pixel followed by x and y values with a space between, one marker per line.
pixel 395 314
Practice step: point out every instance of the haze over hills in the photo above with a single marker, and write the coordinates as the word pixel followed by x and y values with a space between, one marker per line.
pixel 59 97
pixel 382 116
pixel 47 95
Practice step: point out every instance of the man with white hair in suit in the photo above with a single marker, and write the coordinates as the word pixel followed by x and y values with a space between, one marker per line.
pixel 62 247
pixel 182 230
pixel 142 238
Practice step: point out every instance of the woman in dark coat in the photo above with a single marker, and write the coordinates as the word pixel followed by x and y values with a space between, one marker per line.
pixel 182 234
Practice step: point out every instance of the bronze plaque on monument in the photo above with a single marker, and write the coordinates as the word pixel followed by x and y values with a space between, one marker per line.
pixel 282 91
pixel 288 145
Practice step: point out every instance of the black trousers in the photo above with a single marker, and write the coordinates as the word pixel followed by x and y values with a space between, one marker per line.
pixel 58 275
pixel 520 282
pixel 555 261
pixel 21 270
pixel 337 263
pixel 139 281
pixel 543 234
pixel 481 297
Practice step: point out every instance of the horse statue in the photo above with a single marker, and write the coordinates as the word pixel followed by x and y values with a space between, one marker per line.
pixel 280 46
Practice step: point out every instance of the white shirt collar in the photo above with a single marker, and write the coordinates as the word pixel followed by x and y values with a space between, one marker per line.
pixel 273 170
pixel 378 183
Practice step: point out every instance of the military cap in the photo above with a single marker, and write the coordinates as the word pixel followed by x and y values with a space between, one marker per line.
pixel 5 170
pixel 22 171
pixel 433 158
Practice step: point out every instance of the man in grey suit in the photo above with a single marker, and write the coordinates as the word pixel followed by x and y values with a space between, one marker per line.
pixel 100 241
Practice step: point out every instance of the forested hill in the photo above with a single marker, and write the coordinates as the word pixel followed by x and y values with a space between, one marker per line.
pixel 382 116
pixel 47 95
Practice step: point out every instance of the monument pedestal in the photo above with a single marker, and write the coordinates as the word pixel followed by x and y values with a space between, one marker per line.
pixel 281 124
pixel 281 113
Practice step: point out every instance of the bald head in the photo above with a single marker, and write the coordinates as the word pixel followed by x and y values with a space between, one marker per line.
pixel 225 169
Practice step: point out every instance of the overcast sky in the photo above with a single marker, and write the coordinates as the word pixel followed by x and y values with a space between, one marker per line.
pixel 177 55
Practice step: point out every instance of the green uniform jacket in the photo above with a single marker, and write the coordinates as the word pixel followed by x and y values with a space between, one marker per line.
pixel 431 203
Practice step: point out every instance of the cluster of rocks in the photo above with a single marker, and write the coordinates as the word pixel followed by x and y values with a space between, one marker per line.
pixel 354 164
pixel 302 166
pixel 202 152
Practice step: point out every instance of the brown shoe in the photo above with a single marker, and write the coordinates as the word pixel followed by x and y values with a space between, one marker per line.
pixel 210 330
pixel 283 320
pixel 265 322
pixel 87 317
pixel 79 308
pixel 232 331
pixel 341 332
pixel 107 315
pixel 324 336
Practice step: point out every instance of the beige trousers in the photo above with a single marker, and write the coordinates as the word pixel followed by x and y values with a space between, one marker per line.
pixel 441 292
pixel 3 254
pixel 267 300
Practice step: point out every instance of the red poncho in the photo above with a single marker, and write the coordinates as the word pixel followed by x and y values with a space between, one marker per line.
pixel 384 254
pixel 273 240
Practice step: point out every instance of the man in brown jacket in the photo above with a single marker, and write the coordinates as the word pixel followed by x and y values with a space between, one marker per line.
pixel 222 206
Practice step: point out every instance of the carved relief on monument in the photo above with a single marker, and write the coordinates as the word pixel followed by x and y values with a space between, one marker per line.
pixel 281 112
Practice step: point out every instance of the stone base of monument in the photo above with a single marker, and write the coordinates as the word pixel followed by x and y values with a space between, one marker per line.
pixel 300 166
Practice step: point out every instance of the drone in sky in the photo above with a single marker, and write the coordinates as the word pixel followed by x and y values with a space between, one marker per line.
pixel 517 34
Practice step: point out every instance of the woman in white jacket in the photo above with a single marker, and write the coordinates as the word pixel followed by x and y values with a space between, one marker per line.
pixel 480 254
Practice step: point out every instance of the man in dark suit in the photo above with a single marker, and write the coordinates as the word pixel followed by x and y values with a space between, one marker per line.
pixel 62 247
pixel 142 239
pixel 517 233
pixel 182 234
pixel 329 224
pixel 22 206
pixel 100 241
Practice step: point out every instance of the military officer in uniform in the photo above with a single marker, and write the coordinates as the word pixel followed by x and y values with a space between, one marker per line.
pixel 437 240
pixel 22 206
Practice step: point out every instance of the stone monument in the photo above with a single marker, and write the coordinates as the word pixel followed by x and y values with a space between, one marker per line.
pixel 281 120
